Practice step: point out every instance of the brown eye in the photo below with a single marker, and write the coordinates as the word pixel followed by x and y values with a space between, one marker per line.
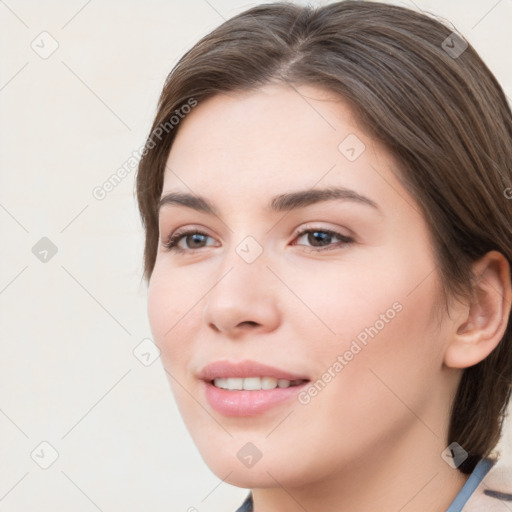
pixel 321 239
pixel 193 240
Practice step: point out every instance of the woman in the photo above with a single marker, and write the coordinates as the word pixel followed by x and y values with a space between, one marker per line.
pixel 326 199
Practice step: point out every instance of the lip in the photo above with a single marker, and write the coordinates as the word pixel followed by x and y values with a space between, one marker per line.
pixel 245 369
pixel 241 403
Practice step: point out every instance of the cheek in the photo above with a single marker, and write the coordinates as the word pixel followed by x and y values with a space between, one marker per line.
pixel 160 306
pixel 384 365
pixel 170 314
pixel 381 312
pixel 390 346
pixel 361 294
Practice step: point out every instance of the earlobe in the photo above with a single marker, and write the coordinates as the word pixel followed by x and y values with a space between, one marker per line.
pixel 483 320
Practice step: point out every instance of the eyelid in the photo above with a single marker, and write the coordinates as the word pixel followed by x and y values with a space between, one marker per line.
pixel 344 240
pixel 171 242
pixel 341 231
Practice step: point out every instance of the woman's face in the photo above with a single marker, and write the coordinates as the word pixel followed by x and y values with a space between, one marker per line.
pixel 341 318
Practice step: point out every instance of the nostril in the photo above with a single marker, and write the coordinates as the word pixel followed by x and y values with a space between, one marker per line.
pixel 248 323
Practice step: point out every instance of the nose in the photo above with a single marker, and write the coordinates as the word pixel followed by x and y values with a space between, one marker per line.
pixel 243 300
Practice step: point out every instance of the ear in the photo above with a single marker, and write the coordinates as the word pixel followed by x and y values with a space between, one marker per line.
pixel 482 322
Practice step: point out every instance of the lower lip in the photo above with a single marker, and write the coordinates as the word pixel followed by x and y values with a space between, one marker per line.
pixel 248 403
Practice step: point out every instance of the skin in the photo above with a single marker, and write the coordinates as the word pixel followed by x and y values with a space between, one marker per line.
pixel 371 440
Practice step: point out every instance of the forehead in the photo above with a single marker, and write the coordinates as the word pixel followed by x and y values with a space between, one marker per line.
pixel 269 140
pixel 262 122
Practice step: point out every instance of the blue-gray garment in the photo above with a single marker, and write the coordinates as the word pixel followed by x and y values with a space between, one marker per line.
pixel 246 505
pixel 463 497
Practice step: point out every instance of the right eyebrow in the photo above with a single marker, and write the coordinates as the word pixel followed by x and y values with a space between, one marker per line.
pixel 197 203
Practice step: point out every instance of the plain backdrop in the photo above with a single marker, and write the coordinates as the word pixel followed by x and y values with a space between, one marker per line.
pixel 86 422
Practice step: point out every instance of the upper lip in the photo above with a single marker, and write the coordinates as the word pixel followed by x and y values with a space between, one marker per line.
pixel 243 369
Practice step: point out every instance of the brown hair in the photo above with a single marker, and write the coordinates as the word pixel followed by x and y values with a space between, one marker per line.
pixel 415 87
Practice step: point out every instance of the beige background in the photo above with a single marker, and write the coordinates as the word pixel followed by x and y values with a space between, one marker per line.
pixel 69 326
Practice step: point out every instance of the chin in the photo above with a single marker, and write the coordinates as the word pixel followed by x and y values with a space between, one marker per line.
pixel 259 476
pixel 239 462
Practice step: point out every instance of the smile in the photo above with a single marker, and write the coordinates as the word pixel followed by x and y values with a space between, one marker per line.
pixel 248 388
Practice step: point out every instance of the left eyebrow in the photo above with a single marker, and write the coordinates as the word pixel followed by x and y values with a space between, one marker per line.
pixel 281 203
pixel 303 198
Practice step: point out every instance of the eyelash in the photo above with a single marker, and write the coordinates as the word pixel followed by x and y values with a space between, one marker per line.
pixel 171 244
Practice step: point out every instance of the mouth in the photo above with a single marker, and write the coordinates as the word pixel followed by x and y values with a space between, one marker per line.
pixel 248 388
pixel 254 383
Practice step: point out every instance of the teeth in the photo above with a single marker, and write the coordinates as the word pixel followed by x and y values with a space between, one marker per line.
pixel 268 383
pixel 254 383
